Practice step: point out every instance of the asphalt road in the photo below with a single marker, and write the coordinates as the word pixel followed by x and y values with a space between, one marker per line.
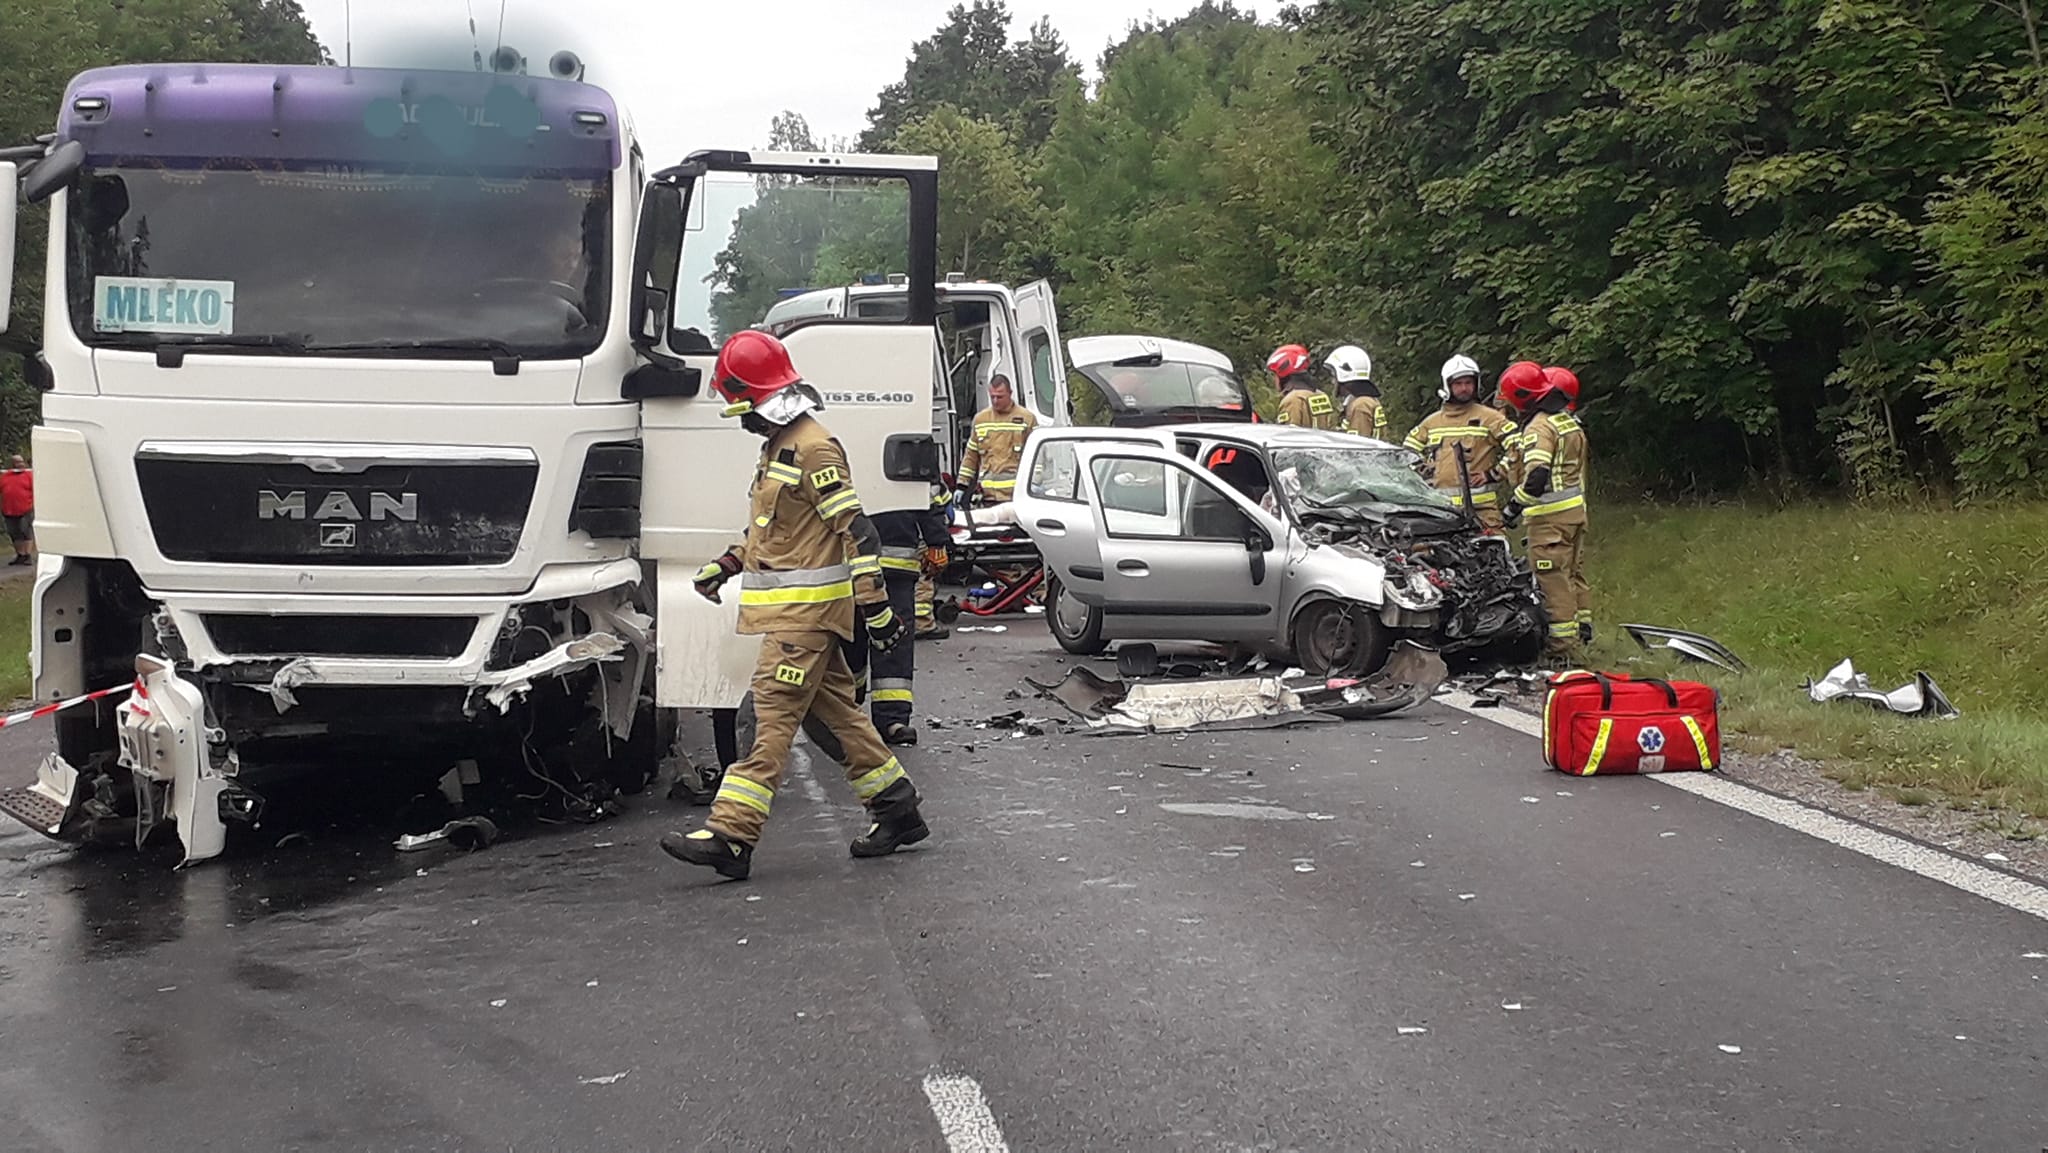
pixel 1111 968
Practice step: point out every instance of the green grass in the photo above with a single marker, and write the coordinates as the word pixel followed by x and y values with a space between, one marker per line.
pixel 1962 594
pixel 14 642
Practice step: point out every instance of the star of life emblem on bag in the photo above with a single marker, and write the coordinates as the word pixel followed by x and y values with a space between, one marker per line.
pixel 1651 739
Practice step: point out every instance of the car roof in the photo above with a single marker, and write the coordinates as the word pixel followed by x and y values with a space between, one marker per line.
pixel 1260 435
pixel 1088 351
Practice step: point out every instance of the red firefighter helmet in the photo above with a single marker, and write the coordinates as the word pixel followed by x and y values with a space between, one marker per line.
pixel 1522 384
pixel 1565 381
pixel 1287 360
pixel 752 367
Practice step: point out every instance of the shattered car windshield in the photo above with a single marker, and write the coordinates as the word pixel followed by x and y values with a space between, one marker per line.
pixel 1335 478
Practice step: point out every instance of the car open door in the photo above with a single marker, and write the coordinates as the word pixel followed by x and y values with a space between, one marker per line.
pixel 723 237
pixel 1052 507
pixel 1182 556
pixel 1038 325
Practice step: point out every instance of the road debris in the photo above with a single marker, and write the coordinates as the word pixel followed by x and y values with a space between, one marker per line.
pixel 608 1079
pixel 1667 833
pixel 1729 1048
pixel 1304 867
pixel 2000 858
pixel 466 833
pixel 1410 1030
pixel 1224 702
pixel 981 628
pixel 1467 896
pixel 1690 646
pixel 1919 698
pixel 1511 1006
pixel 2034 956
pixel 500 1003
pixel 1532 800
pixel 1417 865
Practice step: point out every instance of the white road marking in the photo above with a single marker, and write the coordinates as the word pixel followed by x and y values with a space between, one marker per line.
pixel 963 1114
pixel 800 770
pixel 1933 864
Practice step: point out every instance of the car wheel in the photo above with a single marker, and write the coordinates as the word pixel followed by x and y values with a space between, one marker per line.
pixel 1077 627
pixel 1334 638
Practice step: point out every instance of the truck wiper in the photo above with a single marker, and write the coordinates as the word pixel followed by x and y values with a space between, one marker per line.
pixel 504 358
pixel 170 353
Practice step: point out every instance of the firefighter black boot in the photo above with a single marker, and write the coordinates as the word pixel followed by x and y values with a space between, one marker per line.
pixel 899 733
pixel 734 859
pixel 895 822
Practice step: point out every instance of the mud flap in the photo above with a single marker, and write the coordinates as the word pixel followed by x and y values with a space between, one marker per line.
pixel 163 740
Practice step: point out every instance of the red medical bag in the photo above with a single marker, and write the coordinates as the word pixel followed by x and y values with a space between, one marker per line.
pixel 1611 723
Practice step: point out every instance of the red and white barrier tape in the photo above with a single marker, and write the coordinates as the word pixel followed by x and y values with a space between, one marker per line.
pixel 60 706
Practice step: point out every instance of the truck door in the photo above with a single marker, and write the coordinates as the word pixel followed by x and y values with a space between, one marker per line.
pixel 1038 325
pixel 723 237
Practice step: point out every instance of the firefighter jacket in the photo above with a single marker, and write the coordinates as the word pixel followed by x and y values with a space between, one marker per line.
pixel 1364 415
pixel 1485 434
pixel 810 552
pixel 1556 442
pixel 1305 406
pixel 994 451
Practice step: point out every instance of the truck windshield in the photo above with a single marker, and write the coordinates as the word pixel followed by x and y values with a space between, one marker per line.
pixel 341 260
pixel 1328 479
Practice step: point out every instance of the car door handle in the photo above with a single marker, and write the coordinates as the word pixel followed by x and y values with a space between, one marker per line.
pixel 1134 568
pixel 1051 527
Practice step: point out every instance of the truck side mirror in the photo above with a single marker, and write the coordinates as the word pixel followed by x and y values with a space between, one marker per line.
pixel 7 194
pixel 53 172
pixel 910 456
pixel 657 261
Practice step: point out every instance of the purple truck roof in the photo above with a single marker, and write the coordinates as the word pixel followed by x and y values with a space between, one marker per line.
pixel 315 114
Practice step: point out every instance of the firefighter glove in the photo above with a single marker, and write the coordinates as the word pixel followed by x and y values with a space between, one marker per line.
pixel 712 575
pixel 936 558
pixel 1511 514
pixel 885 629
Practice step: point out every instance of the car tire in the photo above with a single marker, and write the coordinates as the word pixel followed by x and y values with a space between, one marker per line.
pixel 1323 644
pixel 1077 627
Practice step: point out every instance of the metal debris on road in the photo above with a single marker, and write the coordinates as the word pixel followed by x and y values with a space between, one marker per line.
pixel 466 833
pixel 1667 833
pixel 1729 1048
pixel 1410 1030
pixel 2034 956
pixel 1690 646
pixel 1564 792
pixel 608 1079
pixel 1304 867
pixel 1532 800
pixel 1221 702
pixel 1920 697
pixel 981 628
pixel 590 984
pixel 1511 1006
pixel 1417 865
pixel 1466 896
pixel 499 1003
pixel 753 897
pixel 743 940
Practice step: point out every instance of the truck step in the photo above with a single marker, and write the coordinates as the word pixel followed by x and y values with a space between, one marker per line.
pixel 33 809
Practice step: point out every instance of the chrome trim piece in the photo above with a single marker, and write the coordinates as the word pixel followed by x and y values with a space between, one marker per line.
pixel 332 458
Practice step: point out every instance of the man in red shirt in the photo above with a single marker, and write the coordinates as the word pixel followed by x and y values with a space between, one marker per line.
pixel 18 508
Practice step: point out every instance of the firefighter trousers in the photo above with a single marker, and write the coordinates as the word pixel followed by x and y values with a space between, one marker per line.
pixel 927 593
pixel 798 673
pixel 1559 554
pixel 895 669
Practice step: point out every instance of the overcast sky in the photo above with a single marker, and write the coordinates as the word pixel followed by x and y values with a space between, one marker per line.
pixel 707 73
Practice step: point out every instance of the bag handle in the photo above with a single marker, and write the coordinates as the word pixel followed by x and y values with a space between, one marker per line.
pixel 1670 693
pixel 1607 689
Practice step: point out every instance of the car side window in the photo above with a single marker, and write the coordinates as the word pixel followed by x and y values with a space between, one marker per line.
pixel 1210 515
pixel 1139 497
pixel 1055 472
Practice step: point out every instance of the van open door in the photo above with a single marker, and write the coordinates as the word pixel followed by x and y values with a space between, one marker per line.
pixel 1038 324
pixel 723 237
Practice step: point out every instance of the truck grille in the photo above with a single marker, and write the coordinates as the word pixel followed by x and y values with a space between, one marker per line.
pixel 260 635
pixel 276 511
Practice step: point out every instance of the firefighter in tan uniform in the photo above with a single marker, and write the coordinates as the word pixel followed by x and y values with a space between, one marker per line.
pixel 1552 498
pixel 1302 404
pixel 1566 381
pixel 931 562
pixel 810 556
pixel 1481 433
pixel 1358 399
pixel 996 446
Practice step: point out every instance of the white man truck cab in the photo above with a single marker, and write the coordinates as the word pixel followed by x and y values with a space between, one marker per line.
pixel 376 434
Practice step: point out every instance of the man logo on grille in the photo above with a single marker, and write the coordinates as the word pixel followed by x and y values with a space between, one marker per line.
pixel 1651 739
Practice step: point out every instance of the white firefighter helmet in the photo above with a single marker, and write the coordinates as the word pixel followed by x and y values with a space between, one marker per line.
pixel 1350 365
pixel 1454 368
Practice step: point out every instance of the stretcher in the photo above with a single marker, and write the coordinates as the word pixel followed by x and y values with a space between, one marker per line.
pixel 991 548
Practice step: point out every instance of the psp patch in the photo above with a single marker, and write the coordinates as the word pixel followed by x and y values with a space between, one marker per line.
pixel 789 674
pixel 1650 739
pixel 824 476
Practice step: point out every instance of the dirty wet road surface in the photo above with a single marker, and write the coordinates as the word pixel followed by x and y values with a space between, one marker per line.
pixel 1397 934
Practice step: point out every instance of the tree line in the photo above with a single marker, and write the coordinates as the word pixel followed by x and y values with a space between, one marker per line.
pixel 1803 242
